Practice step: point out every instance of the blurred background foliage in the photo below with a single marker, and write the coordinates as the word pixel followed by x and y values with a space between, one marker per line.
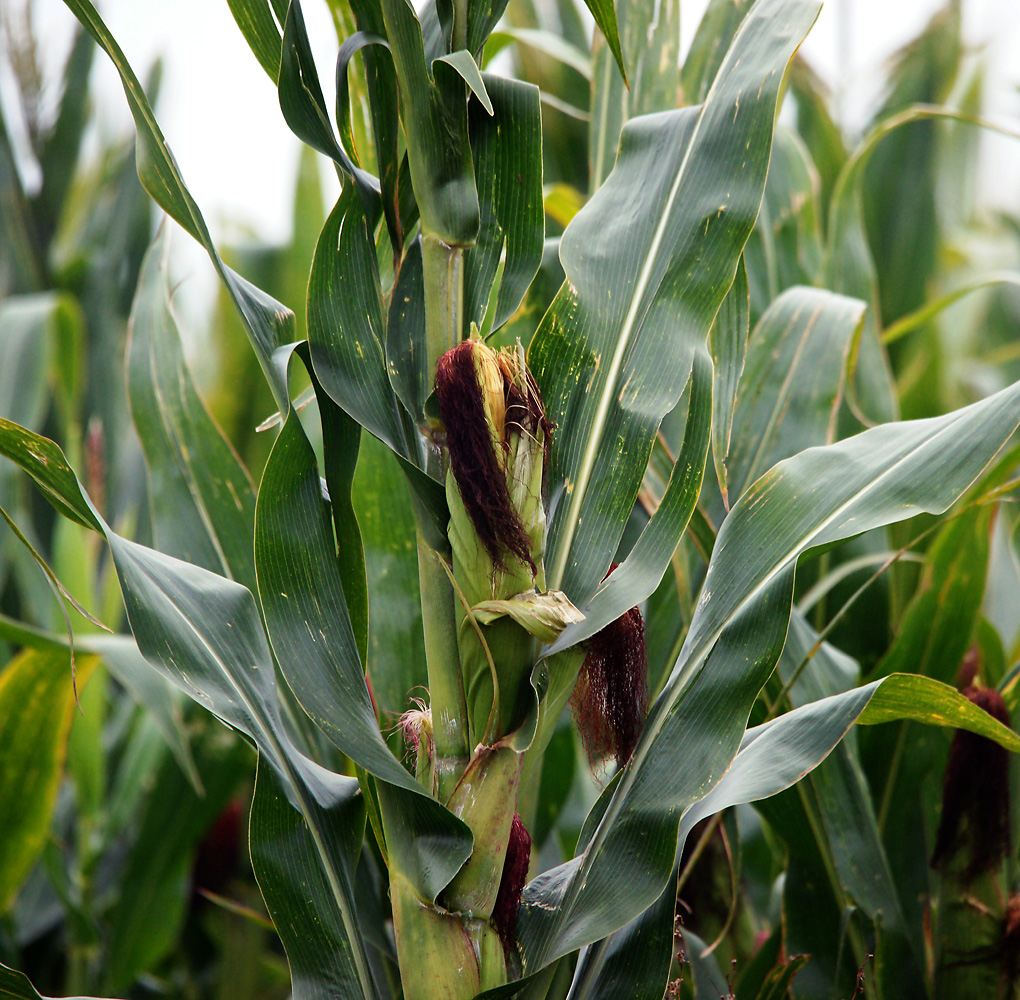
pixel 125 871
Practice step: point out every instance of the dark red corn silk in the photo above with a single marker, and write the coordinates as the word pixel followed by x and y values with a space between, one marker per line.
pixel 975 794
pixel 511 883
pixel 480 475
pixel 611 694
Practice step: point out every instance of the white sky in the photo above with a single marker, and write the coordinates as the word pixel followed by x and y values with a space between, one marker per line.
pixel 221 118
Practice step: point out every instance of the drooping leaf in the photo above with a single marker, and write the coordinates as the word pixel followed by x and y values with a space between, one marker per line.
pixel 202 501
pixel 303 599
pixel 203 632
pixel 816 498
pixel 346 325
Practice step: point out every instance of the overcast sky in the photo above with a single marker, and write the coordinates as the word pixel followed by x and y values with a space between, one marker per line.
pixel 220 114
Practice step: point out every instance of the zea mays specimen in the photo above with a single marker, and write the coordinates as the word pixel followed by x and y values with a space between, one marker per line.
pixel 496 438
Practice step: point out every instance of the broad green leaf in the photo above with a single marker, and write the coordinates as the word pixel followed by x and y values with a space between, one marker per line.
pixel 284 856
pixel 261 32
pixel 923 699
pixel 648 262
pixel 718 25
pixel 308 623
pixel 634 580
pixel 816 498
pixel 435 124
pixel 347 326
pixel 728 345
pixel 202 501
pixel 774 756
pixel 37 704
pixel 204 634
pixel 650 35
pixel 632 962
pixel 792 384
pixel 267 322
pixel 507 149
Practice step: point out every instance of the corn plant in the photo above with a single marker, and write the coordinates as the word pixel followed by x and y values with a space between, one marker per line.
pixel 404 775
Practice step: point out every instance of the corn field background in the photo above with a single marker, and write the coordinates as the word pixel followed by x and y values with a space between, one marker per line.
pixel 592 500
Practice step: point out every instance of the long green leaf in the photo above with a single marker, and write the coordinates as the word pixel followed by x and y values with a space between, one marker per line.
pixel 818 497
pixel 650 40
pixel 299 584
pixel 789 394
pixel 639 574
pixel 347 326
pixel 297 893
pixel 507 150
pixel 774 756
pixel 202 501
pixel 648 262
pixel 204 634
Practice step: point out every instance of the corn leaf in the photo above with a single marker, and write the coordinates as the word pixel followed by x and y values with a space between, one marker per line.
pixel 816 498
pixel 201 499
pixel 37 704
pixel 648 262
